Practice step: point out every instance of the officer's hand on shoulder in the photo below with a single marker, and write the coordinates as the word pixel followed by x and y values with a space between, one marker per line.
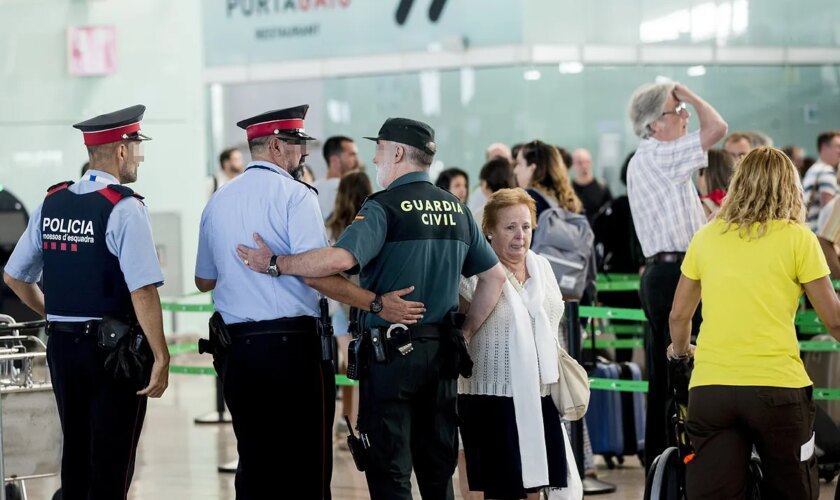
pixel 397 310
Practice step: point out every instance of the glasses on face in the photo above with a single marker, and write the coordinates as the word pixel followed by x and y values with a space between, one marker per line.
pixel 678 110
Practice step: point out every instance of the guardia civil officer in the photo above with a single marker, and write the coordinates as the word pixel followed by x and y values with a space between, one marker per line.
pixel 279 389
pixel 92 241
pixel 410 233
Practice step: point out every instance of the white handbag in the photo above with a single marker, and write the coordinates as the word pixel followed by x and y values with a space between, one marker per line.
pixel 571 392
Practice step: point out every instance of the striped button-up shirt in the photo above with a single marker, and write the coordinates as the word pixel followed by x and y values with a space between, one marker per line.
pixel 820 178
pixel 663 200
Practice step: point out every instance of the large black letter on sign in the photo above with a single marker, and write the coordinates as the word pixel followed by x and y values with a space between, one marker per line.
pixel 231 4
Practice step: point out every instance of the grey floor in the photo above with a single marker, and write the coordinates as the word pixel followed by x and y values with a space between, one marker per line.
pixel 177 459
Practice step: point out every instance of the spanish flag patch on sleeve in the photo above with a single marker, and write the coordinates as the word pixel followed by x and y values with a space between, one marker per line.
pixel 360 217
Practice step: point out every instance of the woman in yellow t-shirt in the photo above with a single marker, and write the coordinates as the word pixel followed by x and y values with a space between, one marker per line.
pixel 749 386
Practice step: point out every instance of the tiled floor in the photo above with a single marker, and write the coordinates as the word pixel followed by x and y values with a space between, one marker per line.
pixel 178 460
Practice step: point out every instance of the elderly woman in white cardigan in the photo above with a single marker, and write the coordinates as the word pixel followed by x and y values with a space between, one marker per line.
pixel 513 441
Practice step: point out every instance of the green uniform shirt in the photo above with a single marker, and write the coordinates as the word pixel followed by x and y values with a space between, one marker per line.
pixel 415 233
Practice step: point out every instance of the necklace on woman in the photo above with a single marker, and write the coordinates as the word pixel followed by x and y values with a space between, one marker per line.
pixel 516 275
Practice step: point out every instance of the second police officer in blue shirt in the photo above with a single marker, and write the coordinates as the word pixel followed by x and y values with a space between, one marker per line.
pixel 280 392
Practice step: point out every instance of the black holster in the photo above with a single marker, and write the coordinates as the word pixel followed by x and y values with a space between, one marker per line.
pixel 128 352
pixel 454 346
pixel 217 342
pixel 357 351
pixel 325 331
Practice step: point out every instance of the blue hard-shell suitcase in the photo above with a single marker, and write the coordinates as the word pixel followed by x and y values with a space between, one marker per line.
pixel 604 416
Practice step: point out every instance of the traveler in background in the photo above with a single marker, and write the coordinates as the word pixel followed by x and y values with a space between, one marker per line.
pixel 307 175
pixel 353 189
pixel 737 144
pixel 759 139
pixel 828 234
pixel 807 163
pixel 566 156
pixel 498 150
pixel 749 386
pixel 820 182
pixel 666 213
pixel 713 181
pixel 592 193
pixel 797 156
pixel 456 181
pixel 496 174
pixel 541 172
pixel 495 150
pixel 230 165
pixel 341 157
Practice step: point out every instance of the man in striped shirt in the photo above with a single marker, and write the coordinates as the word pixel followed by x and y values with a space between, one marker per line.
pixel 820 182
pixel 666 211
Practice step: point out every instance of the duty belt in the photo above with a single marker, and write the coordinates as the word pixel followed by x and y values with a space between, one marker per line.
pixel 77 327
pixel 432 331
pixel 298 324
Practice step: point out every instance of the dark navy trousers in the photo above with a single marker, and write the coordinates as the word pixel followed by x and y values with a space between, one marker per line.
pixel 101 419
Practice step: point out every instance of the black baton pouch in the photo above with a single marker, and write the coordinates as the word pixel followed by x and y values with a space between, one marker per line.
pixel 377 340
pixel 111 331
pixel 126 358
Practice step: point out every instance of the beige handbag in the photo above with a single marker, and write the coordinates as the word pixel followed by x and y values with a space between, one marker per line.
pixel 571 392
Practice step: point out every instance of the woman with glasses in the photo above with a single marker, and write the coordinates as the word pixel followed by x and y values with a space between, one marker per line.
pixel 749 387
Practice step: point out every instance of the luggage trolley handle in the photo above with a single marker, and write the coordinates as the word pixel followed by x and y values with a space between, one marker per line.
pixel 27 369
pixel 28 338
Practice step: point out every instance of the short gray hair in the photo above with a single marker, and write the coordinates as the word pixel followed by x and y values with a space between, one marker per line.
pixel 418 157
pixel 258 145
pixel 646 106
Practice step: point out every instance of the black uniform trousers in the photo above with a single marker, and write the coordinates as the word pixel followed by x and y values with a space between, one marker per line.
pixel 101 418
pixel 281 397
pixel 657 288
pixel 408 413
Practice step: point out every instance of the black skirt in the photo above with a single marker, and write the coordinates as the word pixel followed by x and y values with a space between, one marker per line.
pixel 491 446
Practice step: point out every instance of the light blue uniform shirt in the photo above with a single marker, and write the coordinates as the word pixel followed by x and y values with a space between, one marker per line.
pixel 128 237
pixel 286 215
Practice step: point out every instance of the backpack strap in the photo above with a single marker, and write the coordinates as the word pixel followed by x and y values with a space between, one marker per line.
pixel 549 200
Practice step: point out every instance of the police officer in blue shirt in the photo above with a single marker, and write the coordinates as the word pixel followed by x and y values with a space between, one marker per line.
pixel 279 389
pixel 92 241
pixel 410 233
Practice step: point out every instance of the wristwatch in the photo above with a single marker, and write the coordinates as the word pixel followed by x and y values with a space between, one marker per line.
pixel 376 305
pixel 272 269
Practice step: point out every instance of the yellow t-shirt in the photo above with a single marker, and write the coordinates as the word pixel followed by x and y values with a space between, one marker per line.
pixel 750 290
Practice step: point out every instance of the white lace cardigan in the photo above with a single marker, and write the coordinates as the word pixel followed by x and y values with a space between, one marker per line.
pixel 490 346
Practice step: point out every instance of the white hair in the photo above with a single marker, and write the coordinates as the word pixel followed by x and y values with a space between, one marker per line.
pixel 498 150
pixel 646 106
